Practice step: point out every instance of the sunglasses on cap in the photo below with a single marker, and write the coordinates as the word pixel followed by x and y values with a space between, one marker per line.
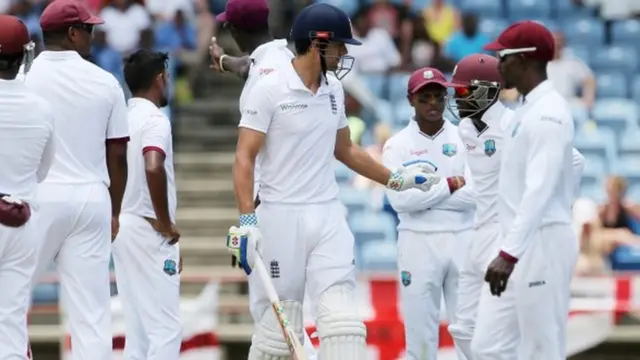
pixel 505 52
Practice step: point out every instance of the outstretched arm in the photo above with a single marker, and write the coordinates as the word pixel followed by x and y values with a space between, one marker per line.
pixel 226 63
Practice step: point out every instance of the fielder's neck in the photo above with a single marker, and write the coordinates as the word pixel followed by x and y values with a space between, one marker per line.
pixel 309 71
pixel 530 81
pixel 430 127
pixel 149 95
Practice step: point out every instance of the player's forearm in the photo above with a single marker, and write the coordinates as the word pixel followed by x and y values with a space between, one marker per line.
pixel 243 169
pixel 117 168
pixel 461 200
pixel 362 163
pixel 236 65
pixel 157 182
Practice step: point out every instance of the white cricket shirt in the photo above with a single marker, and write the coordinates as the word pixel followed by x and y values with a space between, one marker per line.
pixel 484 148
pixel 265 59
pixel 88 107
pixel 296 161
pixel 537 185
pixel 436 210
pixel 150 130
pixel 27 145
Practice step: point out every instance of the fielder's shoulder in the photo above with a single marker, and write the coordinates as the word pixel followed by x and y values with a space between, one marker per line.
pixel 398 141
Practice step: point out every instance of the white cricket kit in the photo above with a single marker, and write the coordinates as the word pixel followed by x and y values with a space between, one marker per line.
pixel 306 236
pixel 434 233
pixel 26 149
pixel 536 190
pixel 146 264
pixel 88 107
pixel 265 59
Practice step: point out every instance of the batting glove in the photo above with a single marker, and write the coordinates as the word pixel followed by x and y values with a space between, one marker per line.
pixel 244 242
pixel 418 174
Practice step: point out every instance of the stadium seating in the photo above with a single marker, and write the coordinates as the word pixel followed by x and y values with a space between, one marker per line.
pixel 615 58
pixel 528 9
pixel 612 85
pixel 483 7
pixel 585 31
pixel 625 32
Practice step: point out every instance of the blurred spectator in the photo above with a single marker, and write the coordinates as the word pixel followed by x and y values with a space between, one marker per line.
pixel 441 20
pixel 165 10
pixel 382 132
pixel 357 126
pixel 105 57
pixel 572 78
pixel 378 53
pixel 175 35
pixel 124 20
pixel 469 40
pixel 617 212
pixel 614 10
pixel 426 52
pixel 25 10
pixel 395 19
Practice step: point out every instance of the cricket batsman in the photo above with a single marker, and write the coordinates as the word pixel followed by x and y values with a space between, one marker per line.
pixel 295 118
pixel 80 199
pixel 435 227
pixel 145 252
pixel 26 149
pixel 248 24
pixel 525 307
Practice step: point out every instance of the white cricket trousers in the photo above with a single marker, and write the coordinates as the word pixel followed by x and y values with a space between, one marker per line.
pixel 146 268
pixel 429 266
pixel 309 244
pixel 483 248
pixel 529 318
pixel 18 260
pixel 75 221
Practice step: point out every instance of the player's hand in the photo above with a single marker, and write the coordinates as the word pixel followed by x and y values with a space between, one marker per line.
pixel 215 52
pixel 498 274
pixel 244 242
pixel 115 227
pixel 419 174
pixel 167 230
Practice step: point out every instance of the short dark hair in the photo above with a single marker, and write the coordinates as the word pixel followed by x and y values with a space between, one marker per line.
pixel 142 67
pixel 11 61
pixel 302 46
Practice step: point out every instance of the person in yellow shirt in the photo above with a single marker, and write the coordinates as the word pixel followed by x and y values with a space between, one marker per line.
pixel 441 20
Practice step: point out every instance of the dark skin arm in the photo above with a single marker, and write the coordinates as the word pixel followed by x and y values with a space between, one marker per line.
pixel 157 181
pixel 116 154
pixel 238 66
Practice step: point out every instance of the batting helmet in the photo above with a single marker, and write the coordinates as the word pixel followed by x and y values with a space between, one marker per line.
pixel 477 84
pixel 15 43
pixel 327 24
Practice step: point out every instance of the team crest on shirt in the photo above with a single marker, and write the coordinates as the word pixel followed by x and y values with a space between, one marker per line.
pixel 449 149
pixel 405 277
pixel 489 147
pixel 170 268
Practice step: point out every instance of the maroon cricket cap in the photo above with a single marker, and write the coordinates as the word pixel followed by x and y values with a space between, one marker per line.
pixel 13 35
pixel 425 76
pixel 528 38
pixel 246 14
pixel 61 13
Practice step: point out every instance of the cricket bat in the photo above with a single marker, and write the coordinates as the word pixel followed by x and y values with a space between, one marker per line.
pixel 289 336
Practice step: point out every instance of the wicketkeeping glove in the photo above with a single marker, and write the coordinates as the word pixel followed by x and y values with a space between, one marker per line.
pixel 418 174
pixel 244 242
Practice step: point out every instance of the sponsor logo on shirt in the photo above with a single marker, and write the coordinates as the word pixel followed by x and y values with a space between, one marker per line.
pixel 419 152
pixel 449 149
pixel 551 119
pixel 249 112
pixel 489 147
pixel 265 71
pixel 293 107
pixel 469 147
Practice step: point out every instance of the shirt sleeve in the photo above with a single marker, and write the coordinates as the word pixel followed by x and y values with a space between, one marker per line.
pixel 118 126
pixel 47 156
pixel 578 168
pixel 157 135
pixel 258 110
pixel 341 101
pixel 543 172
pixel 413 199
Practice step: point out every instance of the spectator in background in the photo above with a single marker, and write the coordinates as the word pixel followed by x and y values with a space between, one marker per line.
pixel 469 40
pixel 381 132
pixel 427 53
pixel 165 10
pixel 572 78
pixel 396 20
pixel 105 57
pixel 124 20
pixel 617 212
pixel 378 53
pixel 441 20
pixel 25 11
pixel 175 35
